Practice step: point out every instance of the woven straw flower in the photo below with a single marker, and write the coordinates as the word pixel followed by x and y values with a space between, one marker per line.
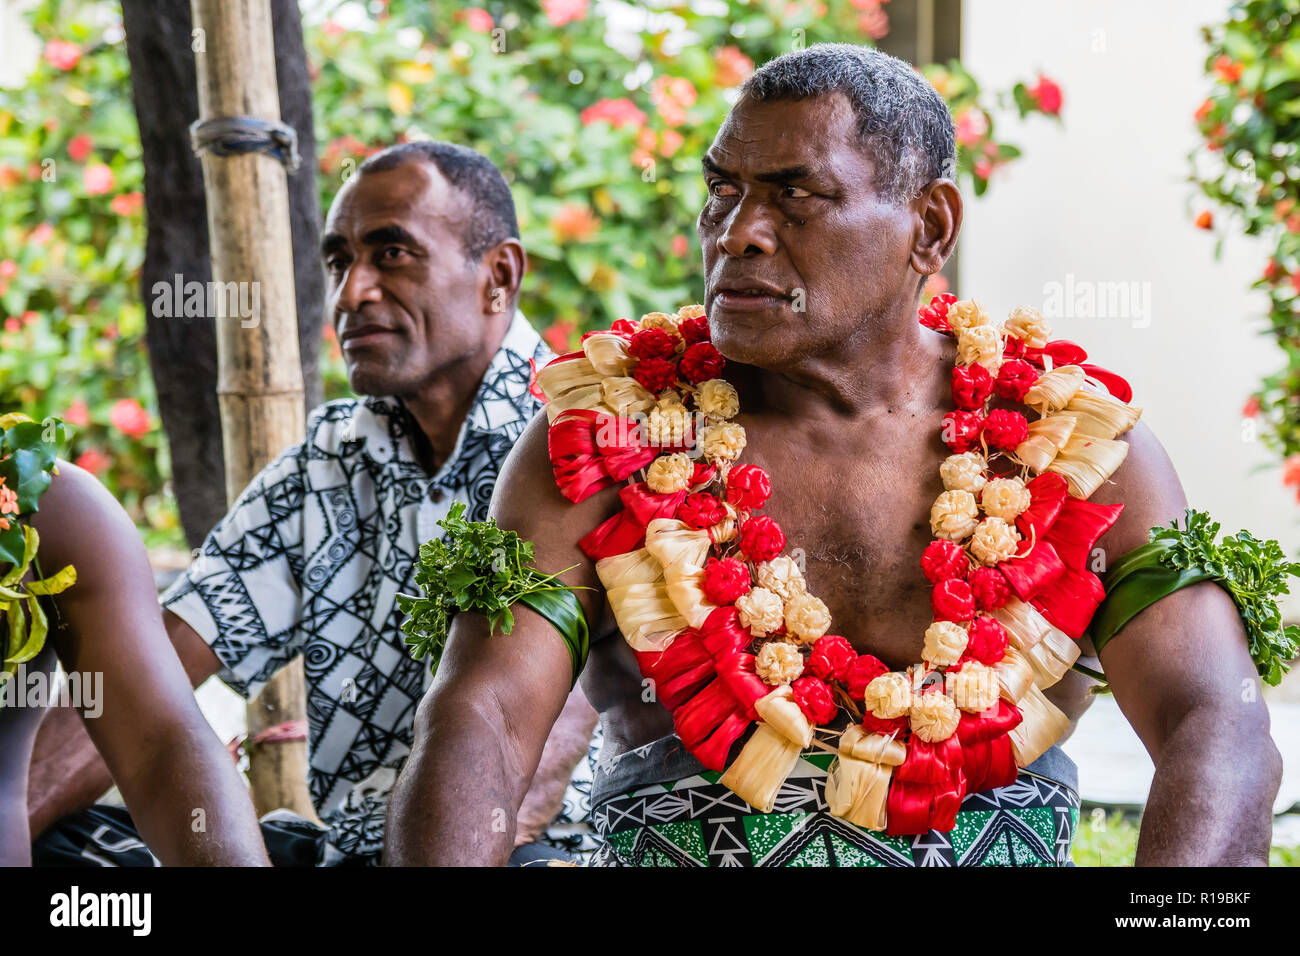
pixel 888 696
pixel 806 618
pixel 778 662
pixel 761 611
pixel 1029 326
pixel 722 442
pixel 1005 498
pixel 934 717
pixel 667 422
pixel 945 642
pixel 974 688
pixel 782 576
pixel 994 540
pixel 982 344
pixel 690 312
pixel 964 472
pixel 717 398
pixel 670 473
pixel 954 515
pixel 966 314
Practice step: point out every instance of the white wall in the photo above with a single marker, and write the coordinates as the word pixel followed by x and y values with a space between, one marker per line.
pixel 1105 197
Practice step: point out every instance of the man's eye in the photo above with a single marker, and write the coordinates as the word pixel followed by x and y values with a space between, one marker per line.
pixel 392 254
pixel 790 191
pixel 335 264
pixel 715 185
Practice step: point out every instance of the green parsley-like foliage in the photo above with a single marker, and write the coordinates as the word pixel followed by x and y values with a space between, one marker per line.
pixel 480 568
pixel 1254 572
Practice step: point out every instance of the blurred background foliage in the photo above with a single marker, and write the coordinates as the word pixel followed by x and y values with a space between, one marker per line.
pixel 596 113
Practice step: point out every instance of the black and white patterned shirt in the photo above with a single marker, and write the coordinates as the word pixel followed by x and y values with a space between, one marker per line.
pixel 310 557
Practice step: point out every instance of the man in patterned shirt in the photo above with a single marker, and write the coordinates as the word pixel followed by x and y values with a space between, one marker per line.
pixel 424 267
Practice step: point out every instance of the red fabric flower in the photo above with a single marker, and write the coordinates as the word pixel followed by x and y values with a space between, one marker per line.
pixel 831 658
pixel 702 362
pixel 935 315
pixel 814 698
pixel 761 539
pixel 1015 378
pixel 748 486
pixel 724 581
pixel 990 588
pixel 971 386
pixel 986 641
pixel 942 560
pixel 624 327
pixel 655 374
pixel 701 510
pixel 961 430
pixel 880 725
pixel 652 343
pixel 864 669
pixel 695 330
pixel 952 600
pixel 1005 429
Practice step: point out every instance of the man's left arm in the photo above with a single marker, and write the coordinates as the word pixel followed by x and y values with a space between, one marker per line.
pixel 566 747
pixel 1182 674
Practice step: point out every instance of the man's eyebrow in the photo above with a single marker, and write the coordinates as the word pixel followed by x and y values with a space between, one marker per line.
pixel 332 242
pixel 802 171
pixel 387 234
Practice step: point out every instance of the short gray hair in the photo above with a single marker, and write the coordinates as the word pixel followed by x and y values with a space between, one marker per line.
pixel 903 123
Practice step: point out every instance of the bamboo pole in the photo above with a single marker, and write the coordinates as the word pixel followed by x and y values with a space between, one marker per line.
pixel 259 378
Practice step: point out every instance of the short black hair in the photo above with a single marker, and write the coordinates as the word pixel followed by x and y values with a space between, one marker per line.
pixel 903 123
pixel 492 208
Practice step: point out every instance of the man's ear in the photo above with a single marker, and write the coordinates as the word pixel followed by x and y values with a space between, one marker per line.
pixel 937 212
pixel 502 272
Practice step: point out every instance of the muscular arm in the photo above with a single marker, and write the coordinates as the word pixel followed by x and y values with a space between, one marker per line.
pixel 480 730
pixel 1182 675
pixel 179 784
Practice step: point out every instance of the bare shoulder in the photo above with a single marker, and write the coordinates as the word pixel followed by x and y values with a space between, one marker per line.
pixel 81 523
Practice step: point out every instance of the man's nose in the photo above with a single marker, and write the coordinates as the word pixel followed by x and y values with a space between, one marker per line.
pixel 748 231
pixel 360 285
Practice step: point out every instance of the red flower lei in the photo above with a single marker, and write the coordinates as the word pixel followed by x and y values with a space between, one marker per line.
pixel 724 624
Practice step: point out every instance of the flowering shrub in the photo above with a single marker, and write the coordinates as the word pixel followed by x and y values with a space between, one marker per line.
pixel 598 126
pixel 1250 166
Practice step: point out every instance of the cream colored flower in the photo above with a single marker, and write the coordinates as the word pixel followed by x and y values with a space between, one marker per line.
pixel 994 540
pixel 967 314
pixel 954 515
pixel 667 422
pixel 982 344
pixel 888 696
pixel 670 473
pixel 626 395
pixel 761 611
pixel 945 642
pixel 964 472
pixel 1005 498
pixel 779 662
pixel 1028 325
pixel 722 442
pixel 689 312
pixel 717 398
pixel 782 576
pixel 974 688
pixel 806 618
pixel 934 717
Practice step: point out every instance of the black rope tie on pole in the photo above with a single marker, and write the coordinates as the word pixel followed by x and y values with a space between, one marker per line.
pixel 236 135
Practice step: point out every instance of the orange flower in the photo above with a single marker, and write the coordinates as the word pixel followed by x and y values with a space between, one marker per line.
pixel 1227 70
pixel 62 55
pixel 1291 471
pixel 94 461
pixel 77 414
pixel 1205 220
pixel 127 204
pixel 560 12
pixel 733 66
pixel 618 113
pixel 574 222
pixel 98 179
pixel 673 96
pixel 129 418
pixel 79 147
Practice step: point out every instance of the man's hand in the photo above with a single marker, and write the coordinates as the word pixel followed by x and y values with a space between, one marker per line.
pixel 481 729
pixel 1182 674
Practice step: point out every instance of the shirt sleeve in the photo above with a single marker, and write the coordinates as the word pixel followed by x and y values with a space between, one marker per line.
pixel 241 594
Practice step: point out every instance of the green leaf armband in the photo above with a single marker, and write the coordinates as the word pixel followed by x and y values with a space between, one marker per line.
pixel 1253 572
pixel 482 568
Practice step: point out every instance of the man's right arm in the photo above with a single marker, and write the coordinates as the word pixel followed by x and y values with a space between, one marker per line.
pixel 67 772
pixel 481 729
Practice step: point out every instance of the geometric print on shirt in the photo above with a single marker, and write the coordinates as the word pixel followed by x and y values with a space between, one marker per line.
pixel 699 822
pixel 311 557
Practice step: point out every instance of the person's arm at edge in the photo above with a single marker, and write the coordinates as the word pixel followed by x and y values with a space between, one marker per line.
pixel 168 763
pixel 1181 673
pixel 481 729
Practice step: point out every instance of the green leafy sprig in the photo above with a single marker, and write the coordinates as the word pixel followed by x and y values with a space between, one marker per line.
pixel 1253 572
pixel 480 568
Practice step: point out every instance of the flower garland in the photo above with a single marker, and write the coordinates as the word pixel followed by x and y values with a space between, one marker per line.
pixel 28 452
pixel 724 624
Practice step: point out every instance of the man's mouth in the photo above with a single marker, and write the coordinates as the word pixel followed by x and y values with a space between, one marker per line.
pixel 363 337
pixel 744 299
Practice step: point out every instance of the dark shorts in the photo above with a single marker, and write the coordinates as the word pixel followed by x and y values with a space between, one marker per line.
pixel 105 836
pixel 656 806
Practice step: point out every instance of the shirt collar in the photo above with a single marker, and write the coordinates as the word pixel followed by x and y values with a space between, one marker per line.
pixel 383 424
